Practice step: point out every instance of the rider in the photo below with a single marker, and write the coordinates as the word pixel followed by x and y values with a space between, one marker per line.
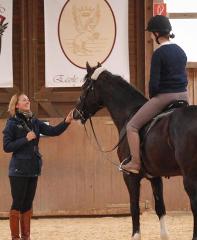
pixel 168 82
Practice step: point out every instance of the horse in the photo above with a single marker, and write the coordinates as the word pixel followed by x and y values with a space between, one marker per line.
pixel 168 147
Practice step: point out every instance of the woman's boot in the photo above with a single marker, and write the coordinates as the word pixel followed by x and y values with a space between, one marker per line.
pixel 14 224
pixel 25 225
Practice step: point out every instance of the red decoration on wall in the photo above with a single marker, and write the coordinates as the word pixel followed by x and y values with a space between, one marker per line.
pixel 2 18
pixel 159 9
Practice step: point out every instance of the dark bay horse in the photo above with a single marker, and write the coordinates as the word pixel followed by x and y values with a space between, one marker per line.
pixel 169 148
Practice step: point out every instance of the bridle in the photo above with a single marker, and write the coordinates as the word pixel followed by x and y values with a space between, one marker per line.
pixel 84 116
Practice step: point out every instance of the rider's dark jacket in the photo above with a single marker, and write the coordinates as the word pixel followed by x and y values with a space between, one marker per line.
pixel 26 160
pixel 168 70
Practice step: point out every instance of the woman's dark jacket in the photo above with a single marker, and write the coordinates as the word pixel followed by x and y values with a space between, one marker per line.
pixel 26 160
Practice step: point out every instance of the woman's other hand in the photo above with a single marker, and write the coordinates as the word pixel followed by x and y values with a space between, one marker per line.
pixel 30 136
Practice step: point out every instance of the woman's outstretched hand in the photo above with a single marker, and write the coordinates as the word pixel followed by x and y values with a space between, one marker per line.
pixel 69 117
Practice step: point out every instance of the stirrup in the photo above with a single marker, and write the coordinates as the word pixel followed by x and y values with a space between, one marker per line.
pixel 149 176
pixel 122 163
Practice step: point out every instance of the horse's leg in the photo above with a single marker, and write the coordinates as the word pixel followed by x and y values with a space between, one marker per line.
pixel 191 189
pixel 157 186
pixel 133 184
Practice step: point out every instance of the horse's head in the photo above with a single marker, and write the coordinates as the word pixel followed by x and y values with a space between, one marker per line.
pixel 89 102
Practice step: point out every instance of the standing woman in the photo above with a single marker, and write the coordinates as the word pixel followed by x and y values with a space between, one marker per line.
pixel 168 83
pixel 21 137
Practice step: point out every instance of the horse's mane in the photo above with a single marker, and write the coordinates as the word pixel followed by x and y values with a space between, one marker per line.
pixel 122 88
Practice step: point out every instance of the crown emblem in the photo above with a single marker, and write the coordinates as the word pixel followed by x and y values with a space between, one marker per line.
pixel 85 11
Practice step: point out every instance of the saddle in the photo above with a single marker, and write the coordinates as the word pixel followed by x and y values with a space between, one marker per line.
pixel 166 111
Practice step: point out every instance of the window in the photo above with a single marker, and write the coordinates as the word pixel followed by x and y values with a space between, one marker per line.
pixel 183 17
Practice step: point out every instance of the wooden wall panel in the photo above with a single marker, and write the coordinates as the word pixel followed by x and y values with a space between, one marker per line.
pixel 136 41
pixel 148 45
pixel 192 86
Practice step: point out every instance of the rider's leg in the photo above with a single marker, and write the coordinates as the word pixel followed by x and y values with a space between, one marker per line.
pixel 143 115
pixel 134 145
pixel 149 110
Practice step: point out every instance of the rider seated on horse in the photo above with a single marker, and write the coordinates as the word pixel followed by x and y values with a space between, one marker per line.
pixel 168 82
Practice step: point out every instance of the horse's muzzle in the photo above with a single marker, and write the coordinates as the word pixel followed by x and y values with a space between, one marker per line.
pixel 78 115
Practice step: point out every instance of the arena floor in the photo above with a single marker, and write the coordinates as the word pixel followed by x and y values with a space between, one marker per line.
pixel 105 228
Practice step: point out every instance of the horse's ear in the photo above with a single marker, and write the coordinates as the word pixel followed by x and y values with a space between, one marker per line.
pixel 99 64
pixel 88 67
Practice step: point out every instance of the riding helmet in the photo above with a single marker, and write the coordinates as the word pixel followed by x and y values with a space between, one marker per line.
pixel 159 23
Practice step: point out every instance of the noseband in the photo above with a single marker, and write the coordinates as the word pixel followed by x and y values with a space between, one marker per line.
pixel 84 116
pixel 81 114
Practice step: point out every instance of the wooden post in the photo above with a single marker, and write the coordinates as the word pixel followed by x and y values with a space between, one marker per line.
pixel 148 43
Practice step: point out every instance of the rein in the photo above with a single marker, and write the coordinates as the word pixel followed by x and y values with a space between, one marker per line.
pixel 99 148
pixel 121 137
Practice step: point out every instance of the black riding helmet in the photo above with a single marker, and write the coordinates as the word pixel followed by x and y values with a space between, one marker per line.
pixel 159 23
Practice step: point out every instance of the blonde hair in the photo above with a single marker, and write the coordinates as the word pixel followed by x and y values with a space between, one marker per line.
pixel 13 102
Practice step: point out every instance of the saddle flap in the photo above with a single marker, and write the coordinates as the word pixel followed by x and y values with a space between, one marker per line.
pixel 176 104
pixel 166 111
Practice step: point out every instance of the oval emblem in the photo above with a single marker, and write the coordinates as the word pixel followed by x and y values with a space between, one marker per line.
pixel 87 31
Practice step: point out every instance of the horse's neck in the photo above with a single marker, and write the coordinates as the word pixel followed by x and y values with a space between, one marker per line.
pixel 121 113
pixel 121 99
pixel 121 117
